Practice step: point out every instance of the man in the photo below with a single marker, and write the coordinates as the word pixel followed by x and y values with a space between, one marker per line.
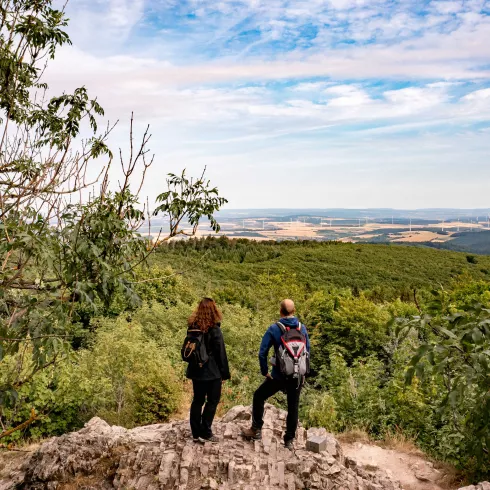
pixel 277 381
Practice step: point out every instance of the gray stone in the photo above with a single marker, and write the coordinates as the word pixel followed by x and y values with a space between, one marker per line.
pixel 163 457
pixel 316 444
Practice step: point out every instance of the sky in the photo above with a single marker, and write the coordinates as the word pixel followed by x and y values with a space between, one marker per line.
pixel 294 103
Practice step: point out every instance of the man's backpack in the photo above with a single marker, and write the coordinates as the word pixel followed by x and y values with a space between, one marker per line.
pixel 292 356
pixel 194 349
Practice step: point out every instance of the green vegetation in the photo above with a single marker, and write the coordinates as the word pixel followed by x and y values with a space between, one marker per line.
pixel 69 251
pixel 92 315
pixel 407 358
pixel 475 242
pixel 388 271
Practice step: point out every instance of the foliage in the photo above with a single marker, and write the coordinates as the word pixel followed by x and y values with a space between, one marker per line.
pixel 352 394
pixel 458 353
pixel 57 394
pixel 319 409
pixel 189 199
pixel 132 377
pixel 394 270
pixel 466 241
pixel 128 367
pixel 124 377
pixel 68 251
pixel 357 328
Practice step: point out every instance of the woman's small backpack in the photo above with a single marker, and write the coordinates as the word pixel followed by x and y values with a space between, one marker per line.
pixel 194 349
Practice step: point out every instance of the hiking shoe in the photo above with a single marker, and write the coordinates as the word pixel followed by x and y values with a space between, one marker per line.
pixel 252 434
pixel 289 444
pixel 212 439
pixel 196 439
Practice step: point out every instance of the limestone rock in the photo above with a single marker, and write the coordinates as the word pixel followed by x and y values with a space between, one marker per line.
pixel 316 444
pixel 163 456
pixel 333 447
pixel 481 486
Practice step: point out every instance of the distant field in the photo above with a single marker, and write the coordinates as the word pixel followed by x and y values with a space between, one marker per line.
pixel 363 230
pixel 459 234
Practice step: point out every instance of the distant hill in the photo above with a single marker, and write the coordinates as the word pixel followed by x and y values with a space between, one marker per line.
pixel 238 263
pixel 478 243
pixel 432 214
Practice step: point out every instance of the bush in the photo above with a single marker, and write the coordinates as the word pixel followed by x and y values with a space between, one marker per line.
pixel 57 394
pixel 319 410
pixel 133 381
pixel 355 327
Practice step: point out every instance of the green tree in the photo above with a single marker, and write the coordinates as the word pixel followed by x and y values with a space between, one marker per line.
pixel 356 327
pixel 62 244
pixel 456 350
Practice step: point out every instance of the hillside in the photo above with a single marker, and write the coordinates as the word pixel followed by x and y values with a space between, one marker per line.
pixel 223 262
pixel 478 243
pixel 125 365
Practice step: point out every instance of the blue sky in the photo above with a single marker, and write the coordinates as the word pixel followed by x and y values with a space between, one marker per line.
pixel 293 103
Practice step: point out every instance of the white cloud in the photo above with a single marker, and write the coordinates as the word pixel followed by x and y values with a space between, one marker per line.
pixel 415 99
pixel 478 95
pixel 103 24
pixel 347 96
pixel 447 7
pixel 238 89
pixel 310 86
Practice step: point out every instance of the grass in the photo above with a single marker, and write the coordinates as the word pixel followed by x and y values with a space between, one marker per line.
pixel 399 441
pixel 354 435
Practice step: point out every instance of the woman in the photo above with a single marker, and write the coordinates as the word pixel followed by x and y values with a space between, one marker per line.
pixel 206 380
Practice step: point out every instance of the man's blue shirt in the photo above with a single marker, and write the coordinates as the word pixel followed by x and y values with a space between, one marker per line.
pixel 272 338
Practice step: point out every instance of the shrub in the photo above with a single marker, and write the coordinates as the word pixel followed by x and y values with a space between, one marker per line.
pixel 357 328
pixel 133 381
pixel 320 410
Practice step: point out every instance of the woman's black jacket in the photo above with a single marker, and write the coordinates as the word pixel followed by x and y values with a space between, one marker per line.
pixel 217 365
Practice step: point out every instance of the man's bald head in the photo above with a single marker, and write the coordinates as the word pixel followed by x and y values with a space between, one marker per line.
pixel 287 307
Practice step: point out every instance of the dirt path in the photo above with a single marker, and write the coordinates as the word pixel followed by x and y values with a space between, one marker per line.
pixel 413 471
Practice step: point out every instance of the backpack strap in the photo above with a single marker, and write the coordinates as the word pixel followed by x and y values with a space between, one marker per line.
pixel 282 327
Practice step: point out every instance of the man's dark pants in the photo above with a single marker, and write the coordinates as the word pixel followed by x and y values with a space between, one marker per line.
pixel 269 388
pixel 202 420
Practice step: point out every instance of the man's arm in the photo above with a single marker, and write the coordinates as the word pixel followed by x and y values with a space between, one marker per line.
pixel 266 344
pixel 305 332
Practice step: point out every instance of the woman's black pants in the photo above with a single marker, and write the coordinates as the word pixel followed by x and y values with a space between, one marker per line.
pixel 207 393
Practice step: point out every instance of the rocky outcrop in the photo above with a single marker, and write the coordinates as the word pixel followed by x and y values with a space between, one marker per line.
pixel 164 456
pixel 481 486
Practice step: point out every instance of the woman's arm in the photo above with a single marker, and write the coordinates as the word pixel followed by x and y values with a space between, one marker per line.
pixel 219 352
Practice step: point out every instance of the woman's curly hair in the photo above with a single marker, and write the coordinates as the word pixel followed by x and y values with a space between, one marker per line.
pixel 206 315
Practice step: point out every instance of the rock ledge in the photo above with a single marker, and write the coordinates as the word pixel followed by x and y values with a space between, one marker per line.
pixel 163 456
